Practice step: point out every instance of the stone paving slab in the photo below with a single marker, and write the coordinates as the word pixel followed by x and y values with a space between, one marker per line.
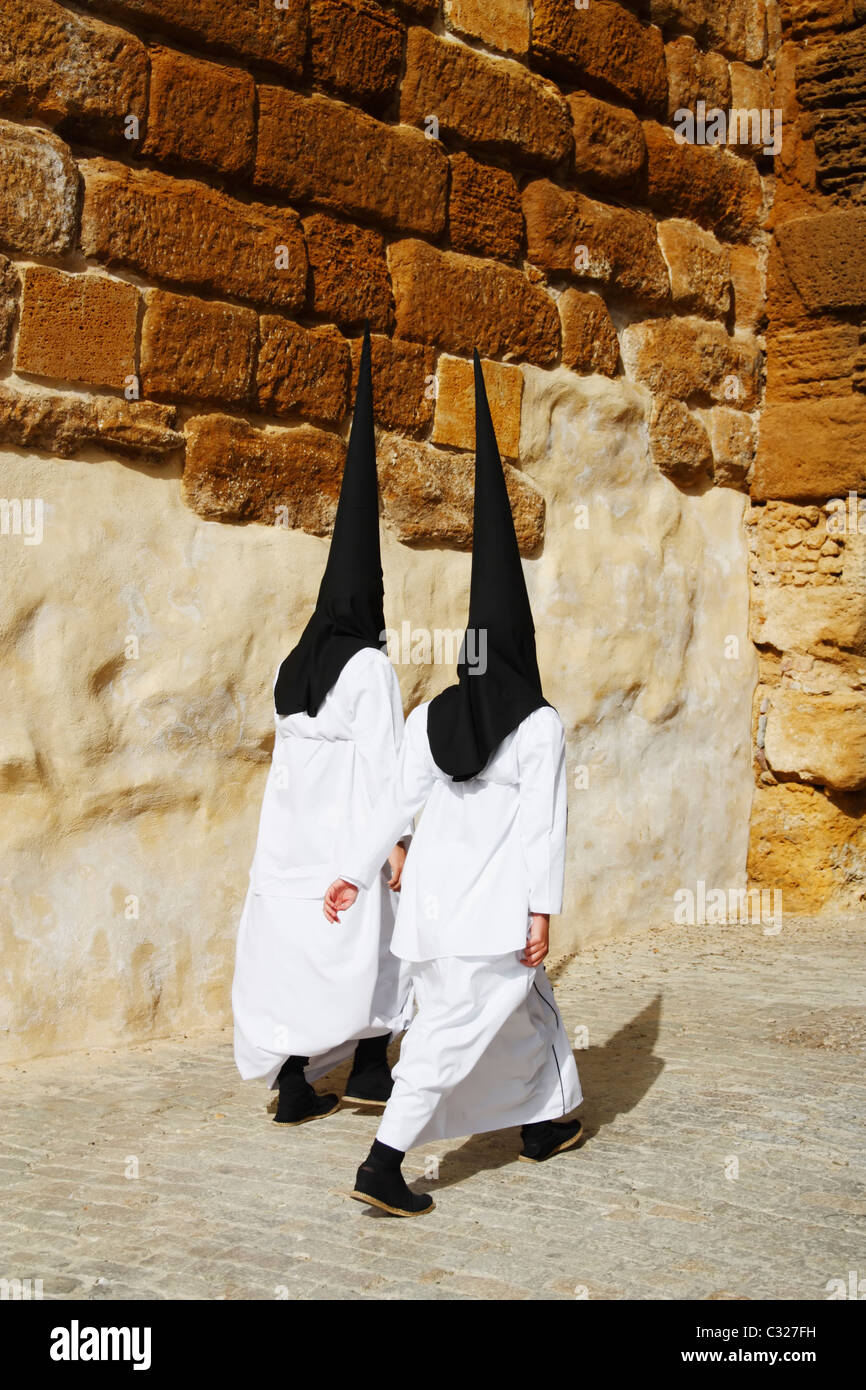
pixel 724 1076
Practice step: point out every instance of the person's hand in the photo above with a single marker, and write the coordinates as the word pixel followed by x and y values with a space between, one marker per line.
pixel 397 858
pixel 537 944
pixel 338 898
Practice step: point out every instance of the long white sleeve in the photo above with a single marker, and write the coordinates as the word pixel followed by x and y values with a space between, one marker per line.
pixel 375 715
pixel 543 809
pixel 404 795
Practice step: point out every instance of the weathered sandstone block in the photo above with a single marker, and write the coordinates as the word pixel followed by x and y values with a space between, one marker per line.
pixel 248 28
pixel 589 341
pixel 184 232
pixel 679 443
pixel 77 327
pixel 200 113
pixel 604 45
pixel 64 424
pixel 818 738
pixel 356 48
pixel 705 183
pixel 811 449
pixel 501 24
pixel 486 102
pixel 573 235
pixel 38 192
pixel 315 150
pixel 460 303
pixel 427 495
pixel 700 269
pixel 280 477
pixel 197 349
pixel 690 357
pixel 301 370
pixel 484 213
pixel 454 422
pixel 404 382
pixel 609 147
pixel 349 279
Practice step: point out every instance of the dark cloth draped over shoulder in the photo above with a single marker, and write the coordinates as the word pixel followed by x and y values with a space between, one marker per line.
pixel 349 613
pixel 498 683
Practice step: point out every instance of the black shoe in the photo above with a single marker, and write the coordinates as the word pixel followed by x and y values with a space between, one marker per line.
pixel 372 1086
pixel 296 1107
pixel 386 1188
pixel 543 1140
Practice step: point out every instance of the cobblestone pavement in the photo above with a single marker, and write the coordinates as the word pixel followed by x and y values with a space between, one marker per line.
pixel 723 1070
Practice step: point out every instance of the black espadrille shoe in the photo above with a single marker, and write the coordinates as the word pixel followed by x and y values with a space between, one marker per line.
pixel 298 1108
pixel 386 1189
pixel 373 1086
pixel 541 1141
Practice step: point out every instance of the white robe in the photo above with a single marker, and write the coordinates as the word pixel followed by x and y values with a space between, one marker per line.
pixel 488 1049
pixel 301 986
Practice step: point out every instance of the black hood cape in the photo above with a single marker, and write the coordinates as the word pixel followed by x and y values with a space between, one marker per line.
pixel 468 721
pixel 349 613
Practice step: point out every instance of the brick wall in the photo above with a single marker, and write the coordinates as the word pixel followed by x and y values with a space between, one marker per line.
pixel 202 202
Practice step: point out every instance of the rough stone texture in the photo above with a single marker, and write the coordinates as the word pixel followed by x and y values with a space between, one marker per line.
pixel 77 327
pixel 197 349
pixel 573 235
pixel 454 422
pixel 604 46
pixel 609 147
pixel 692 358
pixel 695 76
pixel 349 279
pixel 314 150
pixel 709 185
pixel 186 233
pixel 751 90
pixel 484 213
pixel 747 283
pixel 700 269
pixel 356 48
pixel 280 477
pixel 427 495
pixel 200 113
pixel 806 18
pixel 818 738
pixel 61 67
pixel 811 449
pixel 460 303
pixel 64 424
pixel 679 443
pixel 738 29
pixel 490 103
pixel 10 286
pixel 500 24
pixel 809 846
pixel 301 371
pixel 38 192
pixel 733 439
pixel 589 341
pixel 254 29
pixel 831 85
pixel 404 382
pixel 825 259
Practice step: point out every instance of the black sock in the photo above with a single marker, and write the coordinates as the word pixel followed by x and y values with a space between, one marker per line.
pixel 292 1070
pixel 383 1156
pixel 371 1052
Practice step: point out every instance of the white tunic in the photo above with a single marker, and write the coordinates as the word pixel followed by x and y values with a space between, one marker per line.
pixel 486 853
pixel 487 1049
pixel 301 986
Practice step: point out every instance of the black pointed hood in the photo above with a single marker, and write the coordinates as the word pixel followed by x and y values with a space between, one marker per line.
pixel 349 613
pixel 468 721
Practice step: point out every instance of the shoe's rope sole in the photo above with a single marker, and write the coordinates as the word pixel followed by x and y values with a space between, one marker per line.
pixel 322 1115
pixel 362 1100
pixel 560 1148
pixel 383 1206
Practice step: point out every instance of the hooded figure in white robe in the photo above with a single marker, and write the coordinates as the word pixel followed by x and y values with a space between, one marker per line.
pixel 486 760
pixel 304 997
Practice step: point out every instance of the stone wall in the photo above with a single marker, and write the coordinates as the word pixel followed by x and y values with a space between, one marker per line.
pixel 201 203
pixel 808 525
